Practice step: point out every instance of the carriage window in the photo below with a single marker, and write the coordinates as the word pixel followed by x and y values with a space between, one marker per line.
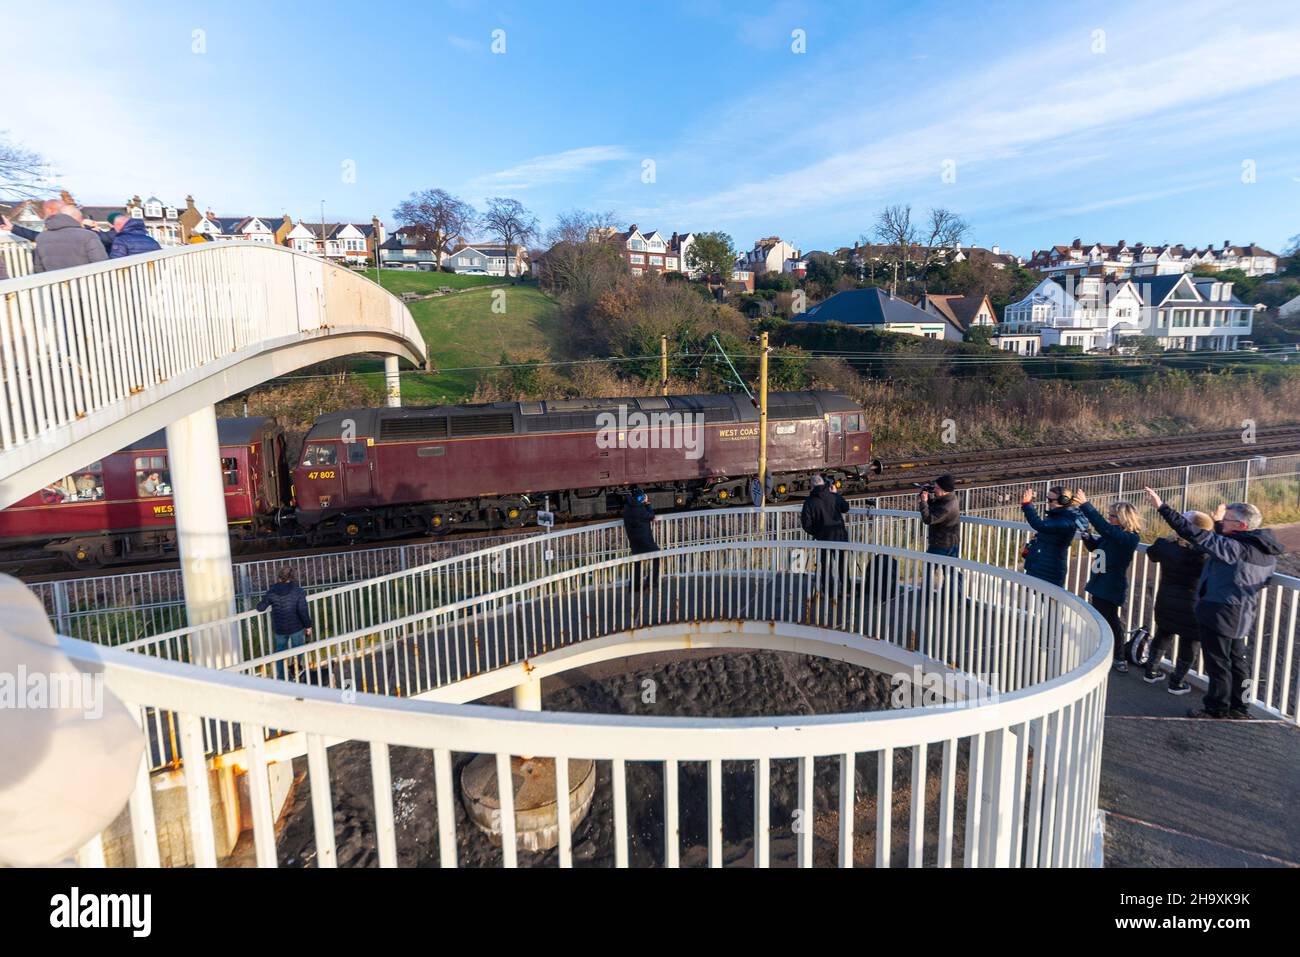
pixel 834 423
pixel 853 423
pixel 85 485
pixel 320 453
pixel 230 472
pixel 152 478
pixel 356 453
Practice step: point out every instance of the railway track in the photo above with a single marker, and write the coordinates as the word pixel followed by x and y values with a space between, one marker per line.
pixel 981 467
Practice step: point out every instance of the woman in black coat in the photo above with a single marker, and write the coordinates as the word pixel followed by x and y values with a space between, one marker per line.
pixel 1180 572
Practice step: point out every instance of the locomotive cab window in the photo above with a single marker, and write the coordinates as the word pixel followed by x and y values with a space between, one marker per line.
pixel 152 477
pixel 85 485
pixel 853 423
pixel 320 453
pixel 356 453
pixel 834 424
pixel 230 472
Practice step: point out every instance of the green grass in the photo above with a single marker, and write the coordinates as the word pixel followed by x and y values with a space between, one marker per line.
pixel 398 281
pixel 462 331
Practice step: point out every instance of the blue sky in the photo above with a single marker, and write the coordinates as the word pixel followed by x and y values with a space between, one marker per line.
pixel 1130 121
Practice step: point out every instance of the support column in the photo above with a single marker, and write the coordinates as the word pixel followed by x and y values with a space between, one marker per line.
pixel 392 382
pixel 202 537
pixel 528 694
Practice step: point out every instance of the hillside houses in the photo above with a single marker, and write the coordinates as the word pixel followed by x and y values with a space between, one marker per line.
pixel 1138 259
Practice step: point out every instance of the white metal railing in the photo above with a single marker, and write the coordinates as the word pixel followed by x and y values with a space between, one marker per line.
pixel 16 255
pixel 117 608
pixel 75 342
pixel 1008 778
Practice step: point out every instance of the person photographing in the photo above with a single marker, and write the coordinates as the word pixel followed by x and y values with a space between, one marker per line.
pixel 1240 558
pixel 1113 547
pixel 941 514
pixel 1047 556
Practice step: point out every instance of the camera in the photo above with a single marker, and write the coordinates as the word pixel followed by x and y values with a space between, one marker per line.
pixel 925 487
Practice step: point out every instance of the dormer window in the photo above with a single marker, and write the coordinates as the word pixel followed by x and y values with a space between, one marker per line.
pixel 134 212
pixel 153 210
pixel 171 212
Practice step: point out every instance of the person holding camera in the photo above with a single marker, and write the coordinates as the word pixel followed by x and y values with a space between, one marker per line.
pixel 941 514
pixel 1047 556
pixel 1113 548
pixel 822 517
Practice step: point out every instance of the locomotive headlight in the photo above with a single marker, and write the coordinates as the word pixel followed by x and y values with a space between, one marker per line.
pixel 513 513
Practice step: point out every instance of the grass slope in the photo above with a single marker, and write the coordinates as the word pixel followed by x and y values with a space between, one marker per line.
pixel 462 330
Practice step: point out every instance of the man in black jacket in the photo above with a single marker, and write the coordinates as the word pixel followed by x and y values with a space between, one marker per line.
pixel 941 514
pixel 638 524
pixel 290 618
pixel 822 518
pixel 1240 559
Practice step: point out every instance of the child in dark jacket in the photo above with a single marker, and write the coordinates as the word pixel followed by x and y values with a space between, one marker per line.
pixel 1113 546
pixel 1180 571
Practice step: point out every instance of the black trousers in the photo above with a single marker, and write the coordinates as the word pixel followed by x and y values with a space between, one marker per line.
pixel 1110 611
pixel 643 570
pixel 1228 668
pixel 1189 641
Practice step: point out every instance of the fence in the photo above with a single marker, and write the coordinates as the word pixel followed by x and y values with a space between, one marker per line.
pixel 78 341
pixel 113 609
pixel 1024 756
pixel 16 256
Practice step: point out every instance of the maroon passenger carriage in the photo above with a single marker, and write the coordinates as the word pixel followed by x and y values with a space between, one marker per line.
pixel 120 508
pixel 383 473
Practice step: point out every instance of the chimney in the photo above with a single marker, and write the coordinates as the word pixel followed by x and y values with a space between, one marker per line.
pixel 189 203
pixel 1076 244
pixel 996 249
pixel 958 246
pixel 1225 244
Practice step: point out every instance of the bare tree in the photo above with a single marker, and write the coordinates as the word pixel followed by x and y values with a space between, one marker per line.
pixel 894 229
pixel 510 222
pixel 943 231
pixel 583 259
pixel 23 174
pixel 440 215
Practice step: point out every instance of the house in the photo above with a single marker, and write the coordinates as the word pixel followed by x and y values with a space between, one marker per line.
pixel 1289 308
pixel 1022 338
pixel 769 255
pixel 875 307
pixel 271 230
pixel 1124 260
pixel 1073 310
pixel 964 312
pixel 1191 312
pixel 491 259
pixel 679 247
pixel 352 243
pixel 26 213
pixel 411 247
pixel 876 260
pixel 741 281
pixel 647 251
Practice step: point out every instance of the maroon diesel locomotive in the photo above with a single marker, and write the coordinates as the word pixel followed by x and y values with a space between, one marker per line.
pixel 383 473
pixel 120 509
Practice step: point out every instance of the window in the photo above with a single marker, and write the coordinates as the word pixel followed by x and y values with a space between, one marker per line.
pixel 834 424
pixel 853 423
pixel 85 485
pixel 171 212
pixel 637 258
pixel 153 210
pixel 152 479
pixel 320 453
pixel 656 260
pixel 230 472
pixel 356 453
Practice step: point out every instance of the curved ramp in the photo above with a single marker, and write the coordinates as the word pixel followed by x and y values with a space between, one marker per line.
pixel 95 357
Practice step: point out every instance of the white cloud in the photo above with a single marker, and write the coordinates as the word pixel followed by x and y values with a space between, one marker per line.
pixel 551 168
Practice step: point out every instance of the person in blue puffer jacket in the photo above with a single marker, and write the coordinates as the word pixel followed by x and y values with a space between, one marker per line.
pixel 290 617
pixel 1117 538
pixel 132 238
pixel 1048 553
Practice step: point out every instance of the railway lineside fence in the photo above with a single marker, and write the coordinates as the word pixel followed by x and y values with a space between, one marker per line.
pixel 113 609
